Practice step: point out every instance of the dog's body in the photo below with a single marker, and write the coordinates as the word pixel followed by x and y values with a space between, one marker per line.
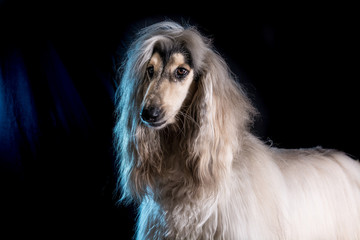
pixel 187 156
pixel 268 194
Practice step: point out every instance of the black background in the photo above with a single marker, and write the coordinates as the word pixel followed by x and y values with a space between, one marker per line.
pixel 298 63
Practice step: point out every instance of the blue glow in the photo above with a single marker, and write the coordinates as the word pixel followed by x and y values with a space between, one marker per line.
pixel 2 109
pixel 68 106
pixel 17 112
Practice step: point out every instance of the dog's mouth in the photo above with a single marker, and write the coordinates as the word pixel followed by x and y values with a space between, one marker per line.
pixel 156 125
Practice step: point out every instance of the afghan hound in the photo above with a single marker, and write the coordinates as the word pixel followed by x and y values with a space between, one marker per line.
pixel 187 157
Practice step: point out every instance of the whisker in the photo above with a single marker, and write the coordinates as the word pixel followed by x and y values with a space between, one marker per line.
pixel 182 131
pixel 190 118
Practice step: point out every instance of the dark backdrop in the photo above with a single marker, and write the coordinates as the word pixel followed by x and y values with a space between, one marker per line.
pixel 299 65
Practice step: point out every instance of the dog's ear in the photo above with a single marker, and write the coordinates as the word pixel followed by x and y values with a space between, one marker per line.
pixel 222 112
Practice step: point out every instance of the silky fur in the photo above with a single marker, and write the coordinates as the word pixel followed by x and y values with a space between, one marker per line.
pixel 206 176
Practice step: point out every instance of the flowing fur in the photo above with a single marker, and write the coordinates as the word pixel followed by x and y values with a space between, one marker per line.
pixel 207 177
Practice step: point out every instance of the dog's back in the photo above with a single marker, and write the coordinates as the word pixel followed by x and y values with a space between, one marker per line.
pixel 296 194
pixel 324 193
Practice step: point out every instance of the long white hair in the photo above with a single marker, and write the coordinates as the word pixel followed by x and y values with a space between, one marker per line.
pixel 205 176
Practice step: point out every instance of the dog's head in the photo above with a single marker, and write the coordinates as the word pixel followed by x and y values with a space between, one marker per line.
pixel 170 60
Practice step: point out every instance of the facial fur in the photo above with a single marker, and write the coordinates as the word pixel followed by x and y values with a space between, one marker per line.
pixel 169 77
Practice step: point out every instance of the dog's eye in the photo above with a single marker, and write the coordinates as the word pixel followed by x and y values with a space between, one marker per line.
pixel 150 71
pixel 181 73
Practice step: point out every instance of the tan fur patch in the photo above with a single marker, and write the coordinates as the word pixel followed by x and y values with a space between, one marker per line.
pixel 155 61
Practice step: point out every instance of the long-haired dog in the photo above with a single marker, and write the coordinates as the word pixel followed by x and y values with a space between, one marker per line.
pixel 187 157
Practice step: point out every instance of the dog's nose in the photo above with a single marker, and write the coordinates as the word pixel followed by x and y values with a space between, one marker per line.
pixel 150 114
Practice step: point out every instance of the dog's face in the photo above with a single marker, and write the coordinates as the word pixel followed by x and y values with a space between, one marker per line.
pixel 169 77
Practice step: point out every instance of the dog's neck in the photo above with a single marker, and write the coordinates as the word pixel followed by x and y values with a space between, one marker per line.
pixel 176 176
